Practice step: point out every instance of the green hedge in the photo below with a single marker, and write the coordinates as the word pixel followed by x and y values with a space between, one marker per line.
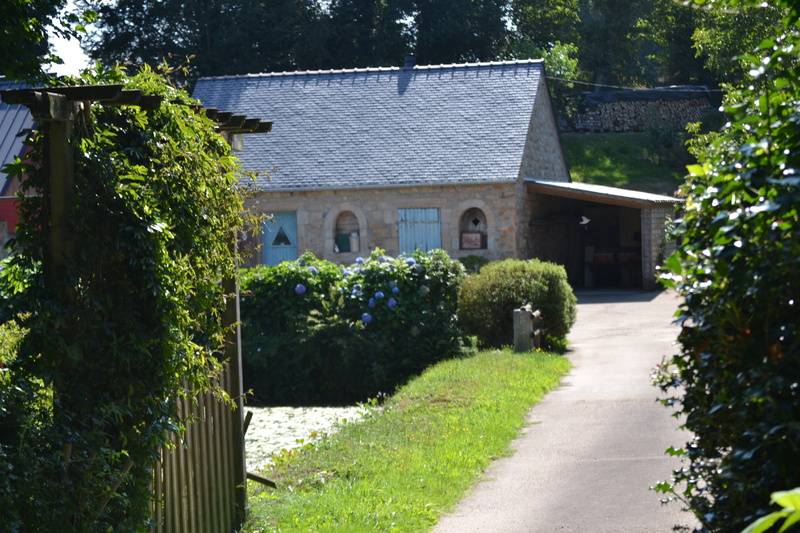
pixel 316 332
pixel 487 300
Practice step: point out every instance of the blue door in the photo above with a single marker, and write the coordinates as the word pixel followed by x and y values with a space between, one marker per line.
pixel 280 238
pixel 418 228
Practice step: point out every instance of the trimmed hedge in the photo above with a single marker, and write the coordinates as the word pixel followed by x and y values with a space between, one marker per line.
pixel 316 332
pixel 487 300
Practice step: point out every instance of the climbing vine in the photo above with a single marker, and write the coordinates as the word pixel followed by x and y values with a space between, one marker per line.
pixel 132 320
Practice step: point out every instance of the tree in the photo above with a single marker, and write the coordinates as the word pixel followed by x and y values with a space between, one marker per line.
pixel 543 23
pixel 24 43
pixel 673 27
pixel 613 41
pixel 456 31
pixel 737 270
pixel 223 37
pixel 723 38
pixel 366 33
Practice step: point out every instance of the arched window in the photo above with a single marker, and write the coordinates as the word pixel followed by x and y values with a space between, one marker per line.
pixel 473 230
pixel 346 233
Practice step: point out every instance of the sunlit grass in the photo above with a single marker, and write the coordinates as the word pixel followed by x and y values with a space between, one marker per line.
pixel 619 160
pixel 410 460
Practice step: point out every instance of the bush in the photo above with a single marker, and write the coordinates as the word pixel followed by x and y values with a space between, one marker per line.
pixel 735 380
pixel 487 300
pixel 473 263
pixel 315 332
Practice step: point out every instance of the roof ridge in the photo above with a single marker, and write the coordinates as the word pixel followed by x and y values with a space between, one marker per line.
pixel 323 72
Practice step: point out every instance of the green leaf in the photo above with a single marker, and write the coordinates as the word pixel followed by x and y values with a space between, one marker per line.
pixel 791 520
pixel 788 499
pixel 696 170
pixel 765 522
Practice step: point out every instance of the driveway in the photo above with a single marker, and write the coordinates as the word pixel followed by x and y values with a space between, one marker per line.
pixel 596 443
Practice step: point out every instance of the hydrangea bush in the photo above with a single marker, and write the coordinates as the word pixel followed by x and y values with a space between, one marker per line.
pixel 314 331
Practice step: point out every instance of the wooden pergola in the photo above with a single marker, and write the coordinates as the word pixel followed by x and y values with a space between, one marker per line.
pixel 58 109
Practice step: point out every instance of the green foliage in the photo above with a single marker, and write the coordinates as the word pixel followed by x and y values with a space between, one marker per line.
pixel 738 273
pixel 618 160
pixel 131 318
pixel 24 46
pixel 724 38
pixel 410 459
pixel 788 516
pixel 317 332
pixel 473 263
pixel 486 301
pixel 666 144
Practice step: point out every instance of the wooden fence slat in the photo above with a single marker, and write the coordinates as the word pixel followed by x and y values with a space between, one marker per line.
pixel 193 483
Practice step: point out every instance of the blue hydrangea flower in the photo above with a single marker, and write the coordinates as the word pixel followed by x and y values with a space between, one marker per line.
pixel 423 291
pixel 371 302
pixel 366 318
pixel 391 303
pixel 393 284
pixel 313 270
pixel 411 261
pixel 300 288
pixel 378 295
pixel 356 292
pixel 360 260
pixel 395 290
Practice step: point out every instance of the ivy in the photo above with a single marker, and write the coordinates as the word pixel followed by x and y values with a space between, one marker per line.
pixel 132 320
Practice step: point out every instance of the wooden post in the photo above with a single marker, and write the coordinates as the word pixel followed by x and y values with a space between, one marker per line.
pixel 57 115
pixel 233 352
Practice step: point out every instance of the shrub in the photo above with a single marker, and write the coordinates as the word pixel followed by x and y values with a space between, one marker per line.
pixel 487 300
pixel 317 332
pixel 473 263
pixel 735 380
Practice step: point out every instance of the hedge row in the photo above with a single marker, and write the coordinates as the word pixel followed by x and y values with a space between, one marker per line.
pixel 317 332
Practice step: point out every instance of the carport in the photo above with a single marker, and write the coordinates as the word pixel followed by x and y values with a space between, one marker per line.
pixel 604 236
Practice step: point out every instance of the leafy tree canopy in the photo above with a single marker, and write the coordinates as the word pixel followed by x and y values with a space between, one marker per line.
pixel 24 43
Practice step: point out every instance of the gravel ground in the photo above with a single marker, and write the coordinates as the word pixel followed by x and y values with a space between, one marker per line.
pixel 273 429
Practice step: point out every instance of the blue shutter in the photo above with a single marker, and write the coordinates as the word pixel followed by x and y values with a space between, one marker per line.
pixel 280 238
pixel 419 229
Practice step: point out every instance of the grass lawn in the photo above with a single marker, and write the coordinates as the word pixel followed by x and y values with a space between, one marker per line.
pixel 413 458
pixel 620 160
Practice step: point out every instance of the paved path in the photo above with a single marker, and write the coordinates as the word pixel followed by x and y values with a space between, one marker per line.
pixel 597 442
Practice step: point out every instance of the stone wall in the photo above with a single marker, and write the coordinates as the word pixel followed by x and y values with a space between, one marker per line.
pixel 376 212
pixel 639 115
pixel 654 233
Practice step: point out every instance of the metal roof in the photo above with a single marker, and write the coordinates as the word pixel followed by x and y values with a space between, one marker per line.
pixel 600 193
pixel 13 120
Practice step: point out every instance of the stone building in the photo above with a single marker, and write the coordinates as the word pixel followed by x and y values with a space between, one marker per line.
pixel 465 157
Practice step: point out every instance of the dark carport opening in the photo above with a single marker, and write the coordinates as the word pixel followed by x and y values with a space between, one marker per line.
pixel 599 245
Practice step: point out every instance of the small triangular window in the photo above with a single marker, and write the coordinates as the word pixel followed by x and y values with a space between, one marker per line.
pixel 281 239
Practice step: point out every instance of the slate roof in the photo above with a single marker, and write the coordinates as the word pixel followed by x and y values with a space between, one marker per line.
pixel 383 127
pixel 13 119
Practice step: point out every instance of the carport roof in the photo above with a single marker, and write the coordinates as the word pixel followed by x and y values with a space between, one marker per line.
pixel 600 193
